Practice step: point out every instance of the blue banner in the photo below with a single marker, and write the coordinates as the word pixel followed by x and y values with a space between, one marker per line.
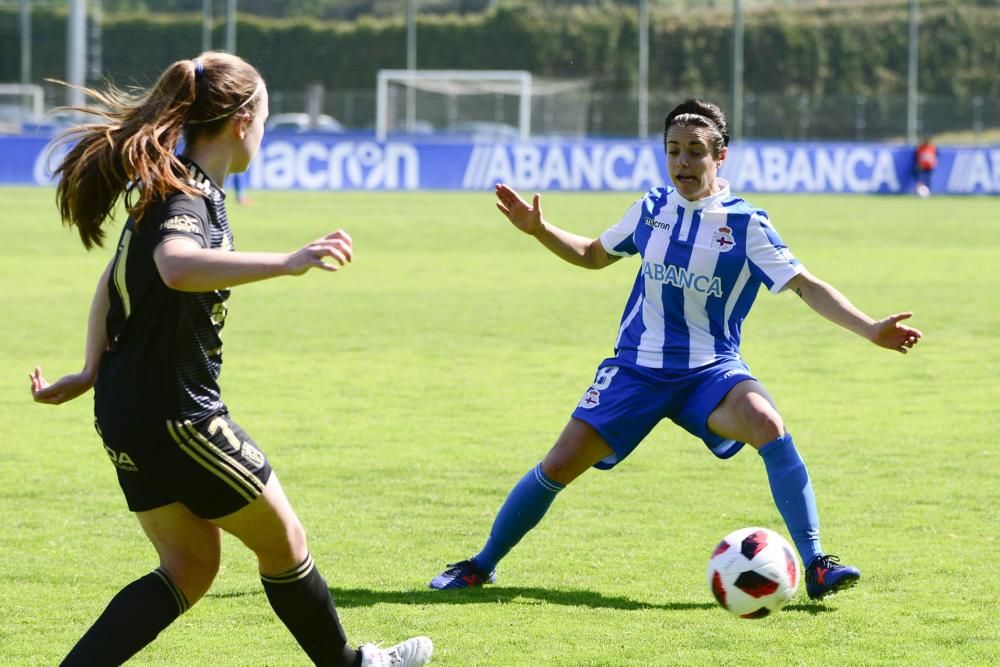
pixel 357 162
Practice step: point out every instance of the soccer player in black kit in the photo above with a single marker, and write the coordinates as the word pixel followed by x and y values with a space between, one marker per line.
pixel 153 356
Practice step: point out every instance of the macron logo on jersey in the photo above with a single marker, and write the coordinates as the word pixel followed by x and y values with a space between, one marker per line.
pixel 680 277
pixel 656 224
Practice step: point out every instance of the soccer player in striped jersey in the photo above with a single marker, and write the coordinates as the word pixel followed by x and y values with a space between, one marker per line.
pixel 704 254
pixel 154 353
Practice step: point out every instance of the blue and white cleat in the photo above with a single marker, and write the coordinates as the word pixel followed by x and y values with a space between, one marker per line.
pixel 463 574
pixel 826 576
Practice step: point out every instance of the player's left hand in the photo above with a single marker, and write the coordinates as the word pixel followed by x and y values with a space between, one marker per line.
pixel 64 389
pixel 329 253
pixel 891 334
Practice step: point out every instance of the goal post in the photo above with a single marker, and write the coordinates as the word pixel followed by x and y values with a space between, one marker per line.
pixel 449 84
pixel 29 98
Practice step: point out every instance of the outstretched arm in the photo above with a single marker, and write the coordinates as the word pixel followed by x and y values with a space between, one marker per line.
pixel 70 386
pixel 186 266
pixel 575 249
pixel 822 297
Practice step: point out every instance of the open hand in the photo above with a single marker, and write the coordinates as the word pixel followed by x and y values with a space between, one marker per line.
pixel 526 218
pixel 328 253
pixel 64 389
pixel 892 335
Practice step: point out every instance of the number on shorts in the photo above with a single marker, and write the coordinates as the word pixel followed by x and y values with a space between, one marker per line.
pixel 604 376
pixel 219 423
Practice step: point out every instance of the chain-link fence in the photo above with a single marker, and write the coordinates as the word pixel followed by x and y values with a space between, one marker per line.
pixel 766 116
pixel 775 103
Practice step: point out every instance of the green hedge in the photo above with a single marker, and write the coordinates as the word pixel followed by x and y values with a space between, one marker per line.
pixel 847 50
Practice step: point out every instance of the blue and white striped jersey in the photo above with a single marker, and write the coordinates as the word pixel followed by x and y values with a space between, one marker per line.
pixel 702 265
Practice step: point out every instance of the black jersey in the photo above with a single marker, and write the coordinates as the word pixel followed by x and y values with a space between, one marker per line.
pixel 165 351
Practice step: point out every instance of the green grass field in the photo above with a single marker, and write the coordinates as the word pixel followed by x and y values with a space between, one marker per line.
pixel 400 399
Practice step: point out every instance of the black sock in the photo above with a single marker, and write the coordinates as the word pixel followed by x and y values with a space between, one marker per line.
pixel 131 620
pixel 302 601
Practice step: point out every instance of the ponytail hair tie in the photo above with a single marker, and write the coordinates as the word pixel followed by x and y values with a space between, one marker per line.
pixel 199 69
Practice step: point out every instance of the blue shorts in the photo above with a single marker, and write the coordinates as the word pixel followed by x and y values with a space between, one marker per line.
pixel 626 401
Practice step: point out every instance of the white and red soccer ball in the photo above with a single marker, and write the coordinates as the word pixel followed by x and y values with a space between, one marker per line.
pixel 753 572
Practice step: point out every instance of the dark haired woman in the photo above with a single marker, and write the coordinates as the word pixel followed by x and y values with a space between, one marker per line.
pixel 705 253
pixel 154 353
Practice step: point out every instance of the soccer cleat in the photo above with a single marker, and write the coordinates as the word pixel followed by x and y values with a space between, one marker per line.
pixel 411 653
pixel 463 574
pixel 825 576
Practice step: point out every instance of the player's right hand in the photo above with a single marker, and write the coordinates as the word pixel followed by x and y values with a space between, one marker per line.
pixel 328 253
pixel 526 218
pixel 64 389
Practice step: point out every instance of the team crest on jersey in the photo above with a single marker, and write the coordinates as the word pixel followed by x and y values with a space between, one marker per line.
pixel 252 455
pixel 723 240
pixel 591 399
pixel 181 223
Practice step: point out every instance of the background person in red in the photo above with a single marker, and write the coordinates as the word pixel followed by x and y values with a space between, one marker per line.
pixel 925 160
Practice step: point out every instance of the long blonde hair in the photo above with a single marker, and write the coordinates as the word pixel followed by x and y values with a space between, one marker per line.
pixel 132 150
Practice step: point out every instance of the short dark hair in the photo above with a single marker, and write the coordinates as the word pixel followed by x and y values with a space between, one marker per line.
pixel 700 113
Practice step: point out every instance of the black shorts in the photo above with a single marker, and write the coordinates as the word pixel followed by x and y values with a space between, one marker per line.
pixel 211 466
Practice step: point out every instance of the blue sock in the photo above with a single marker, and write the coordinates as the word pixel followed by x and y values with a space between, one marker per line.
pixel 527 503
pixel 793 494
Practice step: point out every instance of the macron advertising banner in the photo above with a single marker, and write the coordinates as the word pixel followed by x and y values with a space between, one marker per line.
pixel 356 162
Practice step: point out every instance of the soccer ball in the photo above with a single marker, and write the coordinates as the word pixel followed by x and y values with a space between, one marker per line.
pixel 753 572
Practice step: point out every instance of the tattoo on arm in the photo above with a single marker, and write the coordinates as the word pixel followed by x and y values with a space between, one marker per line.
pixel 798 291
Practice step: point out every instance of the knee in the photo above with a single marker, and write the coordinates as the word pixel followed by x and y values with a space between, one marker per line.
pixel 578 448
pixel 760 420
pixel 297 545
pixel 561 468
pixel 282 554
pixel 557 470
pixel 765 426
pixel 193 573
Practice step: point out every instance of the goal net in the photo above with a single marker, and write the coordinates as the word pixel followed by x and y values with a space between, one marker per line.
pixel 20 103
pixel 496 104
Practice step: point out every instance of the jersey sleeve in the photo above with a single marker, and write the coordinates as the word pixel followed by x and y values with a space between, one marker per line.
pixel 770 259
pixel 620 240
pixel 184 216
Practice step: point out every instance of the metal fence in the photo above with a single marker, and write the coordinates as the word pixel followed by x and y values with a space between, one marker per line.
pixel 603 108
pixel 608 112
